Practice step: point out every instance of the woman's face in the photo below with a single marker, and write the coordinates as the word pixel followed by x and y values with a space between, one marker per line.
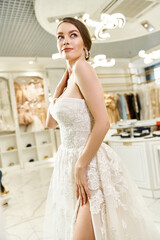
pixel 69 42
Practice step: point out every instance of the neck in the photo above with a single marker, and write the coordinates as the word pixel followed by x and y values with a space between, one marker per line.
pixel 71 64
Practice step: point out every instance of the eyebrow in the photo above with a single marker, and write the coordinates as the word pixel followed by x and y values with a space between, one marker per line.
pixel 69 32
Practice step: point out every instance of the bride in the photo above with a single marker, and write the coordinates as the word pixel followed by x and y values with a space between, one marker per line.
pixel 91 195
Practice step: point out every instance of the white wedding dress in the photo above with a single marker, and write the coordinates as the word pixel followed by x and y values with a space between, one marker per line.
pixel 118 210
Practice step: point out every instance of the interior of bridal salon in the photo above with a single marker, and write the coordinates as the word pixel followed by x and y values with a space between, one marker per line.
pixel 125 55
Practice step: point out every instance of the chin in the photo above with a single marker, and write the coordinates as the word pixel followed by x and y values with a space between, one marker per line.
pixel 69 58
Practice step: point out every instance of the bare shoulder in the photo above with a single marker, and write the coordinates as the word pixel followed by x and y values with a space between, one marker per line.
pixel 81 63
pixel 84 69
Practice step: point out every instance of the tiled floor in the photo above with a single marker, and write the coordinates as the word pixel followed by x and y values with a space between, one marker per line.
pixel 25 212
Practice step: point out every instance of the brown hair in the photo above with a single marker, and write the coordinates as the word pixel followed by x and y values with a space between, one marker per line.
pixel 83 31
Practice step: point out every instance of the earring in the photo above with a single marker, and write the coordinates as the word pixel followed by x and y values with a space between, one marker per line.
pixel 86 53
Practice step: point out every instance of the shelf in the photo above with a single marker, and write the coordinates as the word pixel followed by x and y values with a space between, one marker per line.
pixel 138 123
pixel 140 139
pixel 7 135
pixel 49 162
pixel 8 142
pixel 34 132
pixel 45 152
pixel 28 139
pixel 28 148
pixel 13 168
pixel 10 158
pixel 32 154
pixel 45 145
pixel 10 151
pixel 43 137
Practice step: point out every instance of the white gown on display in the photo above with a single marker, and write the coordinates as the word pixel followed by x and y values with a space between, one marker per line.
pixel 117 208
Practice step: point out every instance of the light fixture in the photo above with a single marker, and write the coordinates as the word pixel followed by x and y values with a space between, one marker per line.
pixel 31 62
pixel 116 20
pixel 101 61
pixel 56 56
pixel 148 26
pixel 59 18
pixel 148 58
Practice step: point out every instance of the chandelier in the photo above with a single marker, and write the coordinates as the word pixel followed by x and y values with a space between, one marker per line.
pixel 116 20
pixel 148 58
pixel 98 60
pixel 101 61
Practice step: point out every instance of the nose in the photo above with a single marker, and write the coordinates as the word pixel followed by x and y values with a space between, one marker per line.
pixel 65 41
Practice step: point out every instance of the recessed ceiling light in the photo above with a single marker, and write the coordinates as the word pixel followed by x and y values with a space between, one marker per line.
pixel 147 26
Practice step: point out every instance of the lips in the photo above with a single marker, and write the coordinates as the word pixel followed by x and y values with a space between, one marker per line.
pixel 67 49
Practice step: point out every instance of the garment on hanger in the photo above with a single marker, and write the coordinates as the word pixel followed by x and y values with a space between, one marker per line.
pixel 149 99
pixel 35 126
pixel 111 104
pixel 29 92
pixel 122 106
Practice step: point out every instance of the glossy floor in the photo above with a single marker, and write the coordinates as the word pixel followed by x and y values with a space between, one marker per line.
pixel 25 212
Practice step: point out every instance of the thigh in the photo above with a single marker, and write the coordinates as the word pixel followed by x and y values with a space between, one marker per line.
pixel 83 226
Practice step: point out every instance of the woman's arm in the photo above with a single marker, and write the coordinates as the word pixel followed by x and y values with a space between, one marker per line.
pixel 92 91
pixel 50 121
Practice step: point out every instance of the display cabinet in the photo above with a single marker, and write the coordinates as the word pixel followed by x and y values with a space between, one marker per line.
pixel 8 150
pixel 21 147
pixel 37 146
pixel 142 159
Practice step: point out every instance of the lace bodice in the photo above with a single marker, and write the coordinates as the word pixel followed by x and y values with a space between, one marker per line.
pixel 74 119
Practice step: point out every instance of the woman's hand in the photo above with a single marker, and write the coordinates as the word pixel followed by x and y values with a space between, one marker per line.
pixel 61 85
pixel 81 184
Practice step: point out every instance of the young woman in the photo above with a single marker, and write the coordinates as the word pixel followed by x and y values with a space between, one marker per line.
pixel 91 195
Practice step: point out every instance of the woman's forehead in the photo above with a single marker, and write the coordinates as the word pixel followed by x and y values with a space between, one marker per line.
pixel 65 26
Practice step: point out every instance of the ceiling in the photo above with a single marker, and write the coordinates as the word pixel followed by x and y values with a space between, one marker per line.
pixel 26 32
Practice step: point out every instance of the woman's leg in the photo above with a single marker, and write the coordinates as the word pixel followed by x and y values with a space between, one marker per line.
pixel 1 185
pixel 2 188
pixel 83 226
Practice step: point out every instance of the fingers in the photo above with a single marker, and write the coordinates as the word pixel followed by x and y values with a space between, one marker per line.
pixel 84 195
pixel 77 191
pixel 87 191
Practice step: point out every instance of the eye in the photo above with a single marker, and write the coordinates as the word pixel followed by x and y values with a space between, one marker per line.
pixel 73 35
pixel 60 37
